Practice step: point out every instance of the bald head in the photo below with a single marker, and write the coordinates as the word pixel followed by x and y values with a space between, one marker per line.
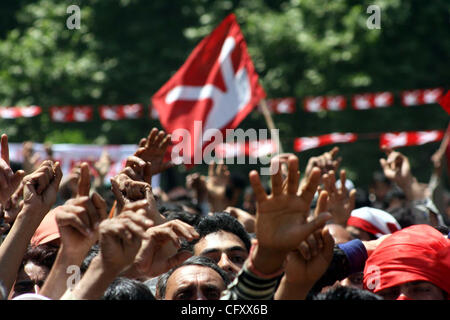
pixel 339 234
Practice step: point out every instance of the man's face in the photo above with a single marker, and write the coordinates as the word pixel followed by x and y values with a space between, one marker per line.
pixel 194 283
pixel 416 290
pixel 358 233
pixel 224 248
pixel 29 279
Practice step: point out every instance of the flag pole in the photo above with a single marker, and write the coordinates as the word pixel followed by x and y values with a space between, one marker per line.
pixel 270 124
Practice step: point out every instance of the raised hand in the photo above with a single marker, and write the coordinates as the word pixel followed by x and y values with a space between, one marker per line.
pixel 41 187
pixel 197 183
pixel 153 260
pixel 398 169
pixel 120 240
pixel 9 181
pixel 281 219
pixel 14 205
pixel 153 148
pixel 325 162
pixel 216 184
pixel 341 202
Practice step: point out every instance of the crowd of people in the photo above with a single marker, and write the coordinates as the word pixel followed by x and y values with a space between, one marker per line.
pixel 309 236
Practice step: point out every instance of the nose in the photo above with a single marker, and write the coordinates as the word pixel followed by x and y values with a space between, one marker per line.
pixel 226 264
pixel 200 295
pixel 403 297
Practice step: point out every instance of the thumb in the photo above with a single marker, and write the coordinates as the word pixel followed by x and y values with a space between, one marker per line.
pixel 316 223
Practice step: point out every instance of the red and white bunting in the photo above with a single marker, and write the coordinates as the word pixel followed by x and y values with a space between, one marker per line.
pixel 372 100
pixel 229 150
pixel 261 148
pixel 282 105
pixel 409 138
pixel 71 114
pixel 19 112
pixel 119 112
pixel 82 113
pixel 306 143
pixel 420 97
pixel 253 149
pixel 321 103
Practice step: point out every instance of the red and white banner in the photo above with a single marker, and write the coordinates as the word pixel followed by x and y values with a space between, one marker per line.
pixel 19 112
pixel 217 86
pixel 253 149
pixel 120 112
pixel 420 97
pixel 281 105
pixel 372 100
pixel 71 154
pixel 71 114
pixel 329 103
pixel 409 138
pixel 306 143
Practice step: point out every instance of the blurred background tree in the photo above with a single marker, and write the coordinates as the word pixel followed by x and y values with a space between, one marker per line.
pixel 127 49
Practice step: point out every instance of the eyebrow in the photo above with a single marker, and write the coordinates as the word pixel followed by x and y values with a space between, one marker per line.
pixel 214 250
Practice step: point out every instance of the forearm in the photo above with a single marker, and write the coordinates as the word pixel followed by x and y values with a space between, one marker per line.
pixel 57 281
pixel 291 290
pixel 95 281
pixel 15 245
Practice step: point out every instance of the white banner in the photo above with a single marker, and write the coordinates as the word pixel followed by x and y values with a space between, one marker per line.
pixel 70 154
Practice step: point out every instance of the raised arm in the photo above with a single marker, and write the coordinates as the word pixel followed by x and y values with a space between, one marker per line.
pixel 9 181
pixel 78 220
pixel 40 189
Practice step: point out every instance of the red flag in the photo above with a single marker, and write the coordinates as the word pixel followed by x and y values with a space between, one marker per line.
pixel 306 143
pixel 410 138
pixel 217 85
pixel 445 102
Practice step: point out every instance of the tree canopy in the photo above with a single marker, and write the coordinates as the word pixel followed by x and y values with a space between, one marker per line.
pixel 126 50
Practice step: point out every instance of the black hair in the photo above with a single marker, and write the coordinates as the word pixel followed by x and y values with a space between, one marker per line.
pixel 192 261
pixel 188 203
pixel 237 181
pixel 403 215
pixel 184 216
pixel 41 255
pixel 221 221
pixel 395 193
pixel 361 199
pixel 127 289
pixel 379 176
pixel 346 293
pixel 163 207
pixel 93 252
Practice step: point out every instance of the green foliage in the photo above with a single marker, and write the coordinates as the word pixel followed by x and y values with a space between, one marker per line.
pixel 126 50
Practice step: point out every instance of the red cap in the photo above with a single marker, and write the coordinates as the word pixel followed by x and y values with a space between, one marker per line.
pixel 47 230
pixel 416 253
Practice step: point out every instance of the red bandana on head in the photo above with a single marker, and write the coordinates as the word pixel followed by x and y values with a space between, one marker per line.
pixel 416 253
